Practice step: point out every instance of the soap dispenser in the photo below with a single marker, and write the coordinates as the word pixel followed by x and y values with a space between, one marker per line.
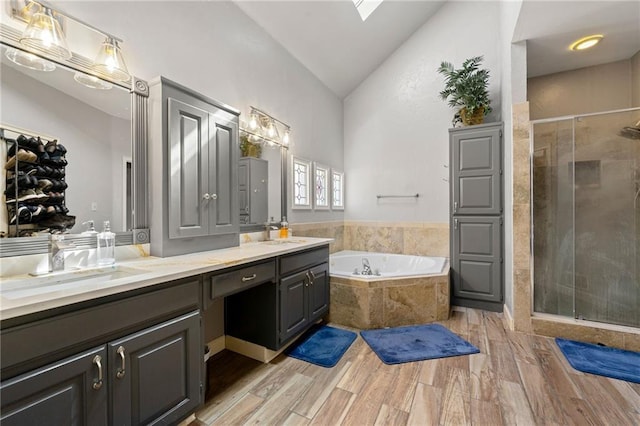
pixel 106 246
pixel 284 228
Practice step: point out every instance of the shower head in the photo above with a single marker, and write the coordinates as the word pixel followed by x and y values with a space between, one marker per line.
pixel 631 132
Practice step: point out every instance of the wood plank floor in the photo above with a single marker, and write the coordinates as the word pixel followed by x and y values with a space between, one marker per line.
pixel 517 379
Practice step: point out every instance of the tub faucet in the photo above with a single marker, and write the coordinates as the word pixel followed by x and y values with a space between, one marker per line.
pixel 57 246
pixel 366 268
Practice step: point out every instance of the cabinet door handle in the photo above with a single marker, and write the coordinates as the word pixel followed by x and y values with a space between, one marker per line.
pixel 249 278
pixel 97 383
pixel 206 196
pixel 313 277
pixel 455 206
pixel 455 224
pixel 121 371
pixel 214 196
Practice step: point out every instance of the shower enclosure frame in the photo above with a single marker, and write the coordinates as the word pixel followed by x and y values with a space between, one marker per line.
pixel 574 317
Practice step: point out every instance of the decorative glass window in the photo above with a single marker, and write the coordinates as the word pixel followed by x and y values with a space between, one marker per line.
pixel 321 186
pixel 337 190
pixel 301 183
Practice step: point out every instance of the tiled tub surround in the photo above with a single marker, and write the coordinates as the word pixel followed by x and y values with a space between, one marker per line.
pixel 416 238
pixel 393 302
pixel 367 303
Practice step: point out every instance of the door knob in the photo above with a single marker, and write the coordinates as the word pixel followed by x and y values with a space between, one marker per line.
pixel 214 196
pixel 206 196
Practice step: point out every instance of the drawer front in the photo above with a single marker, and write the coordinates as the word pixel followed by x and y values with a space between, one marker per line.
pixel 32 343
pixel 241 279
pixel 303 260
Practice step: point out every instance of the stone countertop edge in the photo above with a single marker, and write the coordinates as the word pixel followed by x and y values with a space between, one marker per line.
pixel 158 270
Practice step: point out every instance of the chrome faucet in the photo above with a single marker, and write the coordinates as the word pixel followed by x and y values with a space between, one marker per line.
pixel 267 231
pixel 366 268
pixel 57 246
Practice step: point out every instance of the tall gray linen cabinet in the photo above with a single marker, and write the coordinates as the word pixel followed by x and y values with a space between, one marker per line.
pixel 476 216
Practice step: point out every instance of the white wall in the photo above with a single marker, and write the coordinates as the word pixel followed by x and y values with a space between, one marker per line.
pixel 509 12
pixel 395 125
pixel 94 141
pixel 214 48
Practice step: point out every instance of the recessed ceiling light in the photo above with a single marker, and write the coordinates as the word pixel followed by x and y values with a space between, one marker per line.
pixel 586 42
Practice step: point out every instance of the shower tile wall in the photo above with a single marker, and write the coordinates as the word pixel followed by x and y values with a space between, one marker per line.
pixel 607 172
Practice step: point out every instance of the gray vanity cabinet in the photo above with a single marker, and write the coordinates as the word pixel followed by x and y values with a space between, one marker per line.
pixel 304 295
pixel 253 185
pixel 477 266
pixel 135 360
pixel 155 372
pixel 193 171
pixel 476 161
pixel 277 308
pixel 294 312
pixel 476 187
pixel 67 392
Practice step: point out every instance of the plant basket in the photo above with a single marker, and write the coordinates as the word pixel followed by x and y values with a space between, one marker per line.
pixel 476 118
pixel 249 149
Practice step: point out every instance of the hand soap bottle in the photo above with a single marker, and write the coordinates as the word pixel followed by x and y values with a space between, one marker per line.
pixel 284 228
pixel 106 246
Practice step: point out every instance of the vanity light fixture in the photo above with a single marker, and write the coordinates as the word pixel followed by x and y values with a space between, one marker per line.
pixel 253 121
pixel 92 81
pixel 263 127
pixel 29 60
pixel 110 62
pixel 586 42
pixel 44 34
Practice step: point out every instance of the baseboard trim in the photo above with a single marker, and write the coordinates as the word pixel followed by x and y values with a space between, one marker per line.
pixel 215 346
pixel 478 304
pixel 251 350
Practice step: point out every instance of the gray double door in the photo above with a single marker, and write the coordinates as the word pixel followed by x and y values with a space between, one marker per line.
pixel 476 216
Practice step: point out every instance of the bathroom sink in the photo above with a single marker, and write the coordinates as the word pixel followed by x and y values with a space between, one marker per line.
pixel 281 242
pixel 91 278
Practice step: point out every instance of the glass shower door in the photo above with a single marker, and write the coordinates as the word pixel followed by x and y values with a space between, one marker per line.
pixel 553 242
pixel 606 174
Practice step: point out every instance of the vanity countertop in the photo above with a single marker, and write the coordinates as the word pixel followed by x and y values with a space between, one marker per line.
pixel 25 294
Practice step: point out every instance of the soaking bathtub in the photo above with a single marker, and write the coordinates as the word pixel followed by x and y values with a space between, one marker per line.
pixel 350 264
pixel 401 289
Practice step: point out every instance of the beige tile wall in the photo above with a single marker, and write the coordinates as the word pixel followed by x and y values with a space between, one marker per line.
pixel 389 303
pixel 521 219
pixel 415 238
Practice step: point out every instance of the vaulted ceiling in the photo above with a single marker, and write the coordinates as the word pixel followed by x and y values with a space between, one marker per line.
pixel 330 39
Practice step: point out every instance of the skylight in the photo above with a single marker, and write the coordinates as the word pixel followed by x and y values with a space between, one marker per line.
pixel 366 7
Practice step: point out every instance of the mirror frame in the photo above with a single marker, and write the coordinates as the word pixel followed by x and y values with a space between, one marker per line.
pixel 139 90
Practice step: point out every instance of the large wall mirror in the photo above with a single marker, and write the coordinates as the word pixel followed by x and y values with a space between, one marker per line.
pixel 262 181
pixel 104 132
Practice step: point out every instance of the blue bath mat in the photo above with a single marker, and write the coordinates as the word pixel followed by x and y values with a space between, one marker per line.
pixel 416 343
pixel 601 360
pixel 322 345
